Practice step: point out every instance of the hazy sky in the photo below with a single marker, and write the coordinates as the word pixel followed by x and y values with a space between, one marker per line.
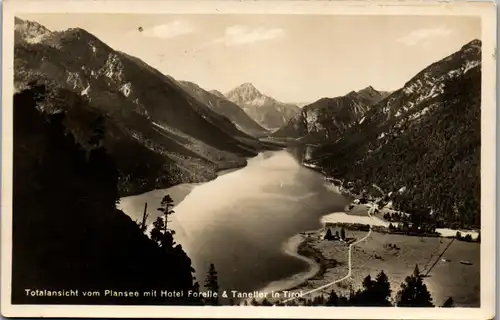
pixel 294 58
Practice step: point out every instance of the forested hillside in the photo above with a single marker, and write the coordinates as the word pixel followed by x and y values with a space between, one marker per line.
pixel 421 144
pixel 329 118
pixel 67 233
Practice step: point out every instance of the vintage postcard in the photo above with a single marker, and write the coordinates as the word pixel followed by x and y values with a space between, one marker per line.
pixel 246 159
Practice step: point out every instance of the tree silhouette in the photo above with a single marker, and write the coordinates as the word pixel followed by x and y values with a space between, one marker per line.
pixel 162 235
pixel 374 293
pixel 382 290
pixel 448 303
pixel 413 292
pixel 333 299
pixel 212 284
pixel 142 224
pixel 342 233
pixel 166 208
pixel 328 235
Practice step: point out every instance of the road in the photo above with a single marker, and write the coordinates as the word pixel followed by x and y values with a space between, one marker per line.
pixel 339 280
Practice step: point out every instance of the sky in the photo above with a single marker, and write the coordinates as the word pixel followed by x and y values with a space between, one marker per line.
pixel 293 58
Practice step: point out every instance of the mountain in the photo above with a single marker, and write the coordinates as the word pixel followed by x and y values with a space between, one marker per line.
pixel 421 144
pixel 301 104
pixel 217 93
pixel 268 112
pixel 218 103
pixel 29 31
pixel 160 136
pixel 329 118
pixel 372 96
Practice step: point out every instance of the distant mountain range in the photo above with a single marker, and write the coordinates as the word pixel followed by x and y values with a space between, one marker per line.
pixel 172 128
pixel 162 132
pixel 328 118
pixel 267 111
pixel 421 144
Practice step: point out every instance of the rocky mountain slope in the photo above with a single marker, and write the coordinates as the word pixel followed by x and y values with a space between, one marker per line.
pixel 176 138
pixel 421 144
pixel 329 118
pixel 268 112
pixel 29 31
pixel 218 103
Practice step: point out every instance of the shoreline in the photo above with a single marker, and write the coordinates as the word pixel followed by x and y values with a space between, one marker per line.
pixel 298 246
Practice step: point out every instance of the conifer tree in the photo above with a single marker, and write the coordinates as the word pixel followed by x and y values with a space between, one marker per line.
pixel 328 235
pixel 142 224
pixel 333 299
pixel 212 284
pixel 167 204
pixel 448 303
pixel 413 292
pixel 382 290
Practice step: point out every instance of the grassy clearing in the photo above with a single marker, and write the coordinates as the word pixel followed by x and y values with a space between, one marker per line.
pixel 446 279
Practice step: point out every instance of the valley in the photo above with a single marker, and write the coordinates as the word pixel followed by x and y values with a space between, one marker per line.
pixel 240 188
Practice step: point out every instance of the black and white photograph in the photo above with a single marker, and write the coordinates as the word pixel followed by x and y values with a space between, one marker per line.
pixel 234 159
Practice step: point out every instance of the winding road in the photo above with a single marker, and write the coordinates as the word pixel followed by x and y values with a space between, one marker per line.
pixel 339 280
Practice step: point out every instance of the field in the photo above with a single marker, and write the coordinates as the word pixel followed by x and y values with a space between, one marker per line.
pixel 450 278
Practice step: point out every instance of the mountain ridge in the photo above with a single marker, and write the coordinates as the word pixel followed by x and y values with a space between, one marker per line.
pixel 218 103
pixel 148 107
pixel 328 118
pixel 421 144
pixel 265 110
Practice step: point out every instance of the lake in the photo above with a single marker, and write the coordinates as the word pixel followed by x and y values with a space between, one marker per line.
pixel 240 220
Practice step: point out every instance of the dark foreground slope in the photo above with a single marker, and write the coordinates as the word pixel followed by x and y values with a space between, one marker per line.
pixel 422 143
pixel 67 233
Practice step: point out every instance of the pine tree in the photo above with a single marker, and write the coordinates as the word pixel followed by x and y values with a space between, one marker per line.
pixel 448 303
pixel 143 225
pixel 328 235
pixel 157 231
pixel 413 292
pixel 212 284
pixel 318 300
pixel 382 290
pixel 167 203
pixel 333 299
pixel 160 232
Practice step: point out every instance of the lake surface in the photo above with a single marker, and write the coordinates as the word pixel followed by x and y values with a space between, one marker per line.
pixel 240 220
